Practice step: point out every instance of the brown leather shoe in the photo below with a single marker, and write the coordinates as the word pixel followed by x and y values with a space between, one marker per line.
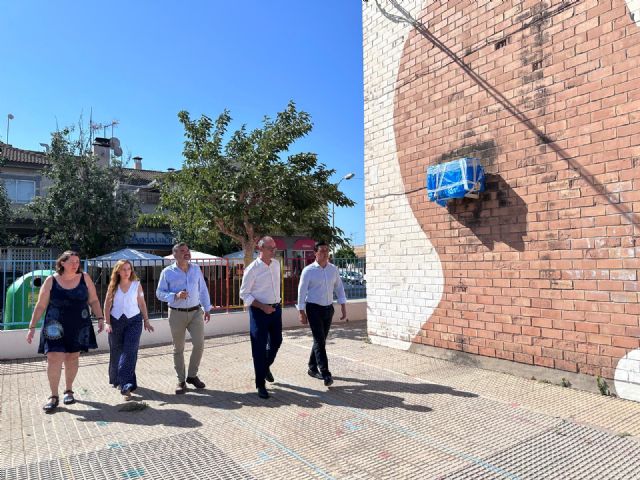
pixel 196 382
pixel 181 388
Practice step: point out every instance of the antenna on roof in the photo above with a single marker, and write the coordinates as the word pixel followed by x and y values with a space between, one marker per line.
pixel 104 126
pixel 9 118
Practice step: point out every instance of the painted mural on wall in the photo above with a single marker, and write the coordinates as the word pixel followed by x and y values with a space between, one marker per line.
pixel 404 274
pixel 542 269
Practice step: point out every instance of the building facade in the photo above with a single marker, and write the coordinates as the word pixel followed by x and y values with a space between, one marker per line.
pixel 24 179
pixel 543 268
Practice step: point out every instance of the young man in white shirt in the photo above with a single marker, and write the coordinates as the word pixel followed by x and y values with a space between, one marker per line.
pixel 318 282
pixel 260 291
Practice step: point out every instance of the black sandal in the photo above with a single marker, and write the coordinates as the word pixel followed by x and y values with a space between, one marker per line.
pixel 68 398
pixel 51 405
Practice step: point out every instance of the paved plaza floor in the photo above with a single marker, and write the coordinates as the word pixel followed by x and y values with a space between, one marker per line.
pixel 390 414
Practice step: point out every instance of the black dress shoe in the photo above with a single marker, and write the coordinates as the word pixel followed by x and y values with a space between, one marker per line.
pixel 51 404
pixel 181 388
pixel 196 382
pixel 328 380
pixel 68 398
pixel 314 374
pixel 269 376
pixel 262 392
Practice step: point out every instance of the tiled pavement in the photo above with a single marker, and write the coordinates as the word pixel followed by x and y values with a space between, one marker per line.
pixel 390 414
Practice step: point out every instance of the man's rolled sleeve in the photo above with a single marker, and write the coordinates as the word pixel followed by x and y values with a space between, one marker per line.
pixel 162 292
pixel 205 299
pixel 338 289
pixel 303 288
pixel 248 280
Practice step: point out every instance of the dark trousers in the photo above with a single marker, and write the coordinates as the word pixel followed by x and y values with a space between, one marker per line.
pixel 320 322
pixel 266 338
pixel 124 341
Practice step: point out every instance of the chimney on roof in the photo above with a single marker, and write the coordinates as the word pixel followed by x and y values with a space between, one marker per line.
pixel 102 150
pixel 137 163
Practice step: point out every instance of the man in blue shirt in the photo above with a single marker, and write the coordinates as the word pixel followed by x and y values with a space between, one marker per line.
pixel 318 282
pixel 182 286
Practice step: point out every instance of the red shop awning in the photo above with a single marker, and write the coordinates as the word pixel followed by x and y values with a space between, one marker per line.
pixel 280 243
pixel 304 244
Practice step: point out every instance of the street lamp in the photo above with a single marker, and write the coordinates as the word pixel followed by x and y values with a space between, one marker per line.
pixel 348 176
pixel 9 118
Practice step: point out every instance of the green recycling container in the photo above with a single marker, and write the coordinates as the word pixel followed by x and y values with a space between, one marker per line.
pixel 22 296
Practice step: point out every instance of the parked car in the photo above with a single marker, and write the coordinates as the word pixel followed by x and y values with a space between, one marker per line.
pixel 352 277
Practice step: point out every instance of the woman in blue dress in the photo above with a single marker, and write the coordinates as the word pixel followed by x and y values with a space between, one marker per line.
pixel 67 329
pixel 126 313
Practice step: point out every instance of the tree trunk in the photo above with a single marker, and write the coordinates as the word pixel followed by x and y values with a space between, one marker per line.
pixel 248 247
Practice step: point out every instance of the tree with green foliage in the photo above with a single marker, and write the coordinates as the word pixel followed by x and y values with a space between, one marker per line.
pixel 250 185
pixel 5 212
pixel 345 252
pixel 84 207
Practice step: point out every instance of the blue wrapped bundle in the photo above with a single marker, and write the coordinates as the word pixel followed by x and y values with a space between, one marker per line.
pixel 459 178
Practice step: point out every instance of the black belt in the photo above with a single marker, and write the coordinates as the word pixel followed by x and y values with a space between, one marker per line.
pixel 274 305
pixel 317 305
pixel 190 309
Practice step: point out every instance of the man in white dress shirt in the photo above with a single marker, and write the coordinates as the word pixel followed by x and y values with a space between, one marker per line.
pixel 318 282
pixel 260 291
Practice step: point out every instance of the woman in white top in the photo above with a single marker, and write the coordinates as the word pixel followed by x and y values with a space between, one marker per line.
pixel 125 311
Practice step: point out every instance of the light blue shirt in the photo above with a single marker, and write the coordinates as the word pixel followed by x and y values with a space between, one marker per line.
pixel 173 280
pixel 317 285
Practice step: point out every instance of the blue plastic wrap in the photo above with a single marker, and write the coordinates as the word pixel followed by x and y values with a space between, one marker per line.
pixel 459 178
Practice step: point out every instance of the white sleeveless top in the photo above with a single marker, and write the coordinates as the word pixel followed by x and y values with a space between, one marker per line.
pixel 126 303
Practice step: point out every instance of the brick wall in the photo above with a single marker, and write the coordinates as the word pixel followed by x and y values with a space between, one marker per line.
pixel 543 268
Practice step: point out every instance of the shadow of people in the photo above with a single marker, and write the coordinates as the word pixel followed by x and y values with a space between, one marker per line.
pixel 228 400
pixel 127 413
pixel 368 385
pixel 355 396
pixel 368 394
pixel 353 330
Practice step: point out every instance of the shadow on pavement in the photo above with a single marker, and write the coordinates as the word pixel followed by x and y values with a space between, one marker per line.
pixel 350 396
pixel 353 330
pixel 366 394
pixel 227 400
pixel 367 385
pixel 147 416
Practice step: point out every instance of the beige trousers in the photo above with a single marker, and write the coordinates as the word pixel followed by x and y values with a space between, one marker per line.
pixel 180 323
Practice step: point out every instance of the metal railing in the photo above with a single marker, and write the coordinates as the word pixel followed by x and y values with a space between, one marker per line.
pixel 20 281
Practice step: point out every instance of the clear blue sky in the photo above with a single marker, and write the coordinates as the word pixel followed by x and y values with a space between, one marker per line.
pixel 142 62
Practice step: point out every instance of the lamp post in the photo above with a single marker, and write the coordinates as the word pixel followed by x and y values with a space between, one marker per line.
pixel 348 176
pixel 9 118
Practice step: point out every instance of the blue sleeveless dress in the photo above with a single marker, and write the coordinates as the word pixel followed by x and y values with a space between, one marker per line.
pixel 67 324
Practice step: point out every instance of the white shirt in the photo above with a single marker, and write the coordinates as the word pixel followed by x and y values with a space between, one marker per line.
pixel 126 303
pixel 261 282
pixel 317 285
